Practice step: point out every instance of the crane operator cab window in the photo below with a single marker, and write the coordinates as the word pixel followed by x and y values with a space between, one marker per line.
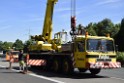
pixel 101 45
pixel 81 46
pixel 33 42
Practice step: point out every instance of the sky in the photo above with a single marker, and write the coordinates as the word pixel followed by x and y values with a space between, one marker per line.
pixel 21 18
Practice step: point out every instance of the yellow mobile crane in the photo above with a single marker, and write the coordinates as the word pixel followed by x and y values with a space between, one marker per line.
pixel 39 41
pixel 45 42
pixel 84 52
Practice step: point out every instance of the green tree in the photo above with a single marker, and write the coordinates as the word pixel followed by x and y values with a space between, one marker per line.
pixel 7 45
pixel 26 45
pixel 18 44
pixel 95 28
pixel 104 27
pixel 115 30
pixel 90 29
pixel 1 45
pixel 119 39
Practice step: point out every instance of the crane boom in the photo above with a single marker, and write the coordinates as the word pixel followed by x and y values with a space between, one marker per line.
pixel 47 27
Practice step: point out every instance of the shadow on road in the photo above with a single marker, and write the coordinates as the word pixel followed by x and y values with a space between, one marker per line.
pixel 75 75
pixel 7 71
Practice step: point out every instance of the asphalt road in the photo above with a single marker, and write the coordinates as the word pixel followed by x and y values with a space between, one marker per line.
pixel 40 76
pixel 9 76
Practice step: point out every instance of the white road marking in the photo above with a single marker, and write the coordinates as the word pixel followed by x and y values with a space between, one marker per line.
pixel 117 78
pixel 43 77
pixel 39 76
pixel 2 66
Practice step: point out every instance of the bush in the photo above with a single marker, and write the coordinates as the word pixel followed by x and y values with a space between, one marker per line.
pixel 120 57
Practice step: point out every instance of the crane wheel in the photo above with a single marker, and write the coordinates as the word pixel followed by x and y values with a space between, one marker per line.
pixel 67 66
pixel 82 69
pixel 33 67
pixel 56 66
pixel 95 71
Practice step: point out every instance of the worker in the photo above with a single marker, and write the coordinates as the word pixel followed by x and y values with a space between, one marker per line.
pixel 11 59
pixel 99 46
pixel 80 46
pixel 81 30
pixel 21 61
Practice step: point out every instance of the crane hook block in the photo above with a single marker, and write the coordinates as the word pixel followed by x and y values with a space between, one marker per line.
pixel 73 23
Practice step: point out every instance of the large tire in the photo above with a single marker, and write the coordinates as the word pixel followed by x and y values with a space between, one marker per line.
pixel 67 66
pixel 33 67
pixel 95 71
pixel 56 65
pixel 47 67
pixel 82 69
